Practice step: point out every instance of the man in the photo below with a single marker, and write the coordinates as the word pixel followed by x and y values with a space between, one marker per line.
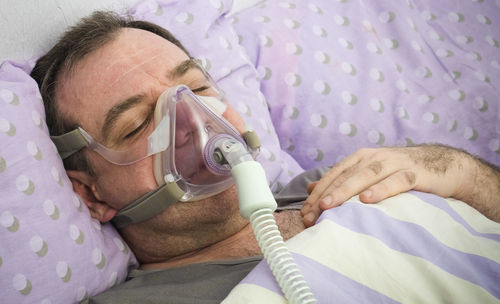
pixel 106 75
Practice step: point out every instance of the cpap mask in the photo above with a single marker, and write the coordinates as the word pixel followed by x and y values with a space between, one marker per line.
pixel 186 128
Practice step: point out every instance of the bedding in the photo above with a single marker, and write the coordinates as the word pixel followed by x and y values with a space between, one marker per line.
pixel 411 248
pixel 383 74
pixel 342 75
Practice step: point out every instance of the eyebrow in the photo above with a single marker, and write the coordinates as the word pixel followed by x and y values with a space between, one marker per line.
pixel 116 111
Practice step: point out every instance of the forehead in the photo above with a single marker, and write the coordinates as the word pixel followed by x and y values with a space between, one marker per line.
pixel 134 62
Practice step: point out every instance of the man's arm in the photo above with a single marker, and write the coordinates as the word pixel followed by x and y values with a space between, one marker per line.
pixel 376 174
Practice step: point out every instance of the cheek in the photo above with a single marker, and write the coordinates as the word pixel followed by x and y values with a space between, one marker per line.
pixel 234 118
pixel 118 186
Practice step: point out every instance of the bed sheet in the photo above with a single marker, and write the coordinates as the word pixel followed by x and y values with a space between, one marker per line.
pixel 411 248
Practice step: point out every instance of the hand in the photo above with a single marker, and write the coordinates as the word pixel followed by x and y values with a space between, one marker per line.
pixel 376 174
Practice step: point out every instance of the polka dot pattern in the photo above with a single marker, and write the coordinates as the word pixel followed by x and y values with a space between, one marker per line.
pixel 43 224
pixel 378 73
pixel 219 49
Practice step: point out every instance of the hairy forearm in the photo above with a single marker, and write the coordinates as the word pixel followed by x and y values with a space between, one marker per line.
pixel 481 187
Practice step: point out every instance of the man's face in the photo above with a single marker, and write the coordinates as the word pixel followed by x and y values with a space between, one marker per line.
pixel 111 94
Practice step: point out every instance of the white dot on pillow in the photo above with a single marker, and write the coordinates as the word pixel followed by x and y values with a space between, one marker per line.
pixel 391 43
pixel 261 19
pixel 444 53
pixel 321 57
pixel 98 258
pixel 294 49
pixel 243 108
pixel 63 271
pixel 341 20
pixel 81 294
pixel 377 105
pixel 33 150
pixel 373 48
pixel 470 134
pixel 315 8
pixel 6 127
pixel 113 279
pixel 423 99
pixel 401 84
pixel 319 31
pixel 318 120
pixel 434 35
pixel 427 16
pixel 457 95
pixel 56 176
pixel 77 202
pixel 483 19
pixel 480 104
pixel 494 145
pixel 417 47
pixel 225 43
pixel 348 68
pixel 376 137
pixel 265 40
pixel 315 154
pixel 345 43
pixel 321 87
pixel 455 17
pixel 367 25
pixel 348 97
pixel 264 73
pixel 76 234
pixel 96 224
pixel 37 119
pixel 25 185
pixel 292 79
pixel 51 209
pixel 423 72
pixel 9 97
pixel 38 246
pixel 8 220
pixel 376 75
pixel 402 113
pixel 481 76
pixel 184 17
pixel 290 112
pixel 120 245
pixel 491 41
pixel 495 64
pixel 430 117
pixel 347 129
pixel 46 301
pixel 292 24
pixel 386 17
pixel 21 284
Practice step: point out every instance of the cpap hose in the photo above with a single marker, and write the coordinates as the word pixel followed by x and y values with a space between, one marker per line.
pixel 257 204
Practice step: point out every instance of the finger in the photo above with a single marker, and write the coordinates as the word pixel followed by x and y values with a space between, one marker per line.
pixel 331 175
pixel 311 186
pixel 399 182
pixel 349 184
pixel 310 212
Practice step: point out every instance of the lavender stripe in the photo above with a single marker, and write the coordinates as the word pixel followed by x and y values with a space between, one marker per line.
pixel 415 240
pixel 440 203
pixel 328 285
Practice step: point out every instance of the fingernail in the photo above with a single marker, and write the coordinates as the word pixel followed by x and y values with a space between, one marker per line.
pixel 310 217
pixel 327 200
pixel 367 193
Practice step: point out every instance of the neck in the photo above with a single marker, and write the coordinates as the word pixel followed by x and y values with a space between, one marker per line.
pixel 240 245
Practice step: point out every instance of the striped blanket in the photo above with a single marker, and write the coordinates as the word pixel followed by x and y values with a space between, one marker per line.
pixel 412 248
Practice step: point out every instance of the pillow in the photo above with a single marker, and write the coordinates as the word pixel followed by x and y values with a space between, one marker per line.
pixel 51 250
pixel 207 34
pixel 342 75
pixel 411 248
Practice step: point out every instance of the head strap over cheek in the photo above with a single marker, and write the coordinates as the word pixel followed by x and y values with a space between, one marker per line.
pixel 148 205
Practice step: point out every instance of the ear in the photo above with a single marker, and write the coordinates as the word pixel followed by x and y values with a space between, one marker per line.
pixel 84 185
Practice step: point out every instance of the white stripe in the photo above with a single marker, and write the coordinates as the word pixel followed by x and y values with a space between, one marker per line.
pixel 369 261
pixel 409 208
pixel 250 293
pixel 474 218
